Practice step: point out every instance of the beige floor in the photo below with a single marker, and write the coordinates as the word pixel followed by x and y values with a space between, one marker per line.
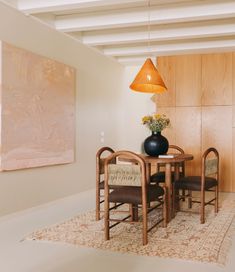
pixel 30 256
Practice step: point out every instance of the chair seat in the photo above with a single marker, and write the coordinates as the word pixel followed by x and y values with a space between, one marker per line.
pixel 159 177
pixel 133 195
pixel 101 186
pixel 194 183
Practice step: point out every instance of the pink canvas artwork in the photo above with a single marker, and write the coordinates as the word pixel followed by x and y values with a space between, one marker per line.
pixel 37 110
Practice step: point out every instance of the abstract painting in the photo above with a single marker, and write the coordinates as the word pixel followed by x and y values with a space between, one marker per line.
pixel 37 110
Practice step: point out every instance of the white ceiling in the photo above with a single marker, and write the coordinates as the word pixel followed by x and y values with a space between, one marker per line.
pixel 119 28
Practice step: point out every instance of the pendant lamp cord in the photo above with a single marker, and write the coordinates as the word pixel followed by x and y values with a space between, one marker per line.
pixel 148 44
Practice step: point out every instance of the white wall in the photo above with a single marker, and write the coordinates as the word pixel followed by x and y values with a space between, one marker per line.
pixel 99 84
pixel 133 106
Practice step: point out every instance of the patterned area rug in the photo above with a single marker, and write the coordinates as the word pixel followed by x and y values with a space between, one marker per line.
pixel 184 237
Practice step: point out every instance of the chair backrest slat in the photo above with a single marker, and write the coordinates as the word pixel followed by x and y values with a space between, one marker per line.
pixel 211 167
pixel 124 175
pixel 101 165
pixel 210 162
pixel 119 173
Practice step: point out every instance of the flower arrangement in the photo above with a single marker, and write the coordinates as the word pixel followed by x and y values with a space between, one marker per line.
pixel 156 122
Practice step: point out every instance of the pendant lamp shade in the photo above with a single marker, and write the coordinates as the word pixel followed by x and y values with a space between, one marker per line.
pixel 148 79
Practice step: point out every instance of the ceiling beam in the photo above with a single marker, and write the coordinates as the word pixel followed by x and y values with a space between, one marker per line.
pixel 171 13
pixel 12 3
pixel 69 6
pixel 134 60
pixel 57 6
pixel 160 33
pixel 168 48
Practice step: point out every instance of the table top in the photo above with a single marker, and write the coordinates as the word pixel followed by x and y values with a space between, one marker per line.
pixel 177 158
pixel 149 159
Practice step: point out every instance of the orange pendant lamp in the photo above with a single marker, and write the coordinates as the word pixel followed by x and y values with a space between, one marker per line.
pixel 148 79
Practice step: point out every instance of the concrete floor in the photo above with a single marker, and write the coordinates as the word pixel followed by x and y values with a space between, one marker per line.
pixel 29 256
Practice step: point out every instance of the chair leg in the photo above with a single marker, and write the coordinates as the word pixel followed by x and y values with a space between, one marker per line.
pixel 183 195
pixel 177 199
pixel 131 209
pixel 145 224
pixel 134 212
pixel 106 219
pixel 173 201
pixel 97 213
pixel 165 210
pixel 216 199
pixel 202 208
pixel 190 199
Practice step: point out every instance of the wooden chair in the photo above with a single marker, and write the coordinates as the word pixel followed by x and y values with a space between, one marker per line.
pixel 128 184
pixel 159 176
pixel 100 177
pixel 208 181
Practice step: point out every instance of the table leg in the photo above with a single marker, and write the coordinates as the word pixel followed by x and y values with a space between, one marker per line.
pixel 175 205
pixel 169 189
pixel 148 175
pixel 148 171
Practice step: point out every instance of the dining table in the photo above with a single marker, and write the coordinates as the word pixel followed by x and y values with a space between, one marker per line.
pixel 173 160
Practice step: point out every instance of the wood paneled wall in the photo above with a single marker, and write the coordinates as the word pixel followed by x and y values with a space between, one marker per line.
pixel 200 102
